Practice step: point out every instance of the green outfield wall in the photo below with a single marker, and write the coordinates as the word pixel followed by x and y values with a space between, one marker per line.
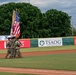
pixel 34 43
pixel 68 41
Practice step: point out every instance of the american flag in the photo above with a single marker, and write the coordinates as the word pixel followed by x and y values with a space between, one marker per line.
pixel 15 29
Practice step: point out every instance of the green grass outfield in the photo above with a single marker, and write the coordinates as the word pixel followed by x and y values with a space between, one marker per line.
pixel 5 73
pixel 71 47
pixel 51 61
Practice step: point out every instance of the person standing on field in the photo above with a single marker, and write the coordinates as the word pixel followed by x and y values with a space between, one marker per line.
pixel 18 44
pixel 13 47
pixel 8 46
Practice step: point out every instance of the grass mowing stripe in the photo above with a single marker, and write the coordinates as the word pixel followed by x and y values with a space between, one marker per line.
pixel 52 61
pixel 6 73
pixel 45 48
pixel 49 48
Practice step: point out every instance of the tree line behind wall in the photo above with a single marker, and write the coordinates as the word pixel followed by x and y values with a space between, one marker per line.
pixel 34 23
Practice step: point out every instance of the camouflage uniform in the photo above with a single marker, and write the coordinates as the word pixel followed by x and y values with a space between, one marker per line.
pixel 18 44
pixel 13 48
pixel 8 46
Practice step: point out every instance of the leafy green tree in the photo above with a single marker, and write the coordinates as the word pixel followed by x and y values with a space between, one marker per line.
pixel 33 23
pixel 58 22
pixel 29 19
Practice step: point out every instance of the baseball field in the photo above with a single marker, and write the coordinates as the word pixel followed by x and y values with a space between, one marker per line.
pixel 59 60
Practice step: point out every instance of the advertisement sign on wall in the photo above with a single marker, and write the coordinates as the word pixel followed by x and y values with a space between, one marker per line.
pixel 25 43
pixel 1 44
pixel 74 40
pixel 49 42
pixel 3 37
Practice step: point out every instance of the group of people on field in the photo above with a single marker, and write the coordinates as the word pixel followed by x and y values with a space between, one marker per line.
pixel 13 47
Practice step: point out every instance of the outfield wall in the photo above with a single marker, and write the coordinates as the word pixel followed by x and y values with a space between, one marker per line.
pixel 43 42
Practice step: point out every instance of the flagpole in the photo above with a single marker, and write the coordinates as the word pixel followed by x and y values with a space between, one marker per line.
pixel 15 27
pixel 13 16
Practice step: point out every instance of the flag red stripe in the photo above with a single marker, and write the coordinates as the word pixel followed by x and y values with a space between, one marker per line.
pixel 15 29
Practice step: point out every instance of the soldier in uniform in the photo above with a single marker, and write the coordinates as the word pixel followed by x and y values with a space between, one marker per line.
pixel 13 47
pixel 8 46
pixel 18 44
